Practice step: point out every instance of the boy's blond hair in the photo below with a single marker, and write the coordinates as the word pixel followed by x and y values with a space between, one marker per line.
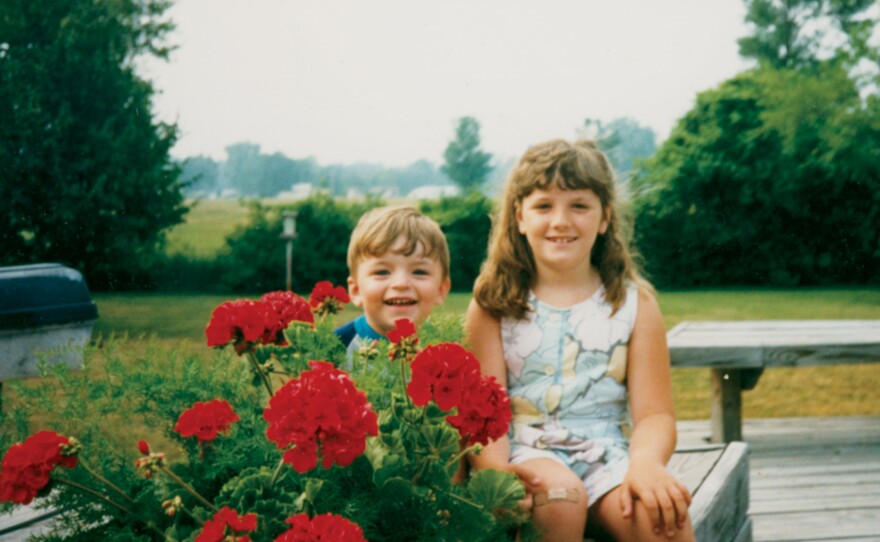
pixel 379 229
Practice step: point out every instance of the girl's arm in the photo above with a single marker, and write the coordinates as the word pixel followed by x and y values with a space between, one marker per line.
pixel 482 333
pixel 653 439
pixel 483 338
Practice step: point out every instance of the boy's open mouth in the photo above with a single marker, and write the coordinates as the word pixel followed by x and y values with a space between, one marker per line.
pixel 400 301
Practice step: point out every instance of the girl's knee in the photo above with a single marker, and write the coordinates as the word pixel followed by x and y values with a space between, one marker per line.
pixel 640 526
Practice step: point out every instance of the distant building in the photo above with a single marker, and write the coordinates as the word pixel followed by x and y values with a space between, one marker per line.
pixel 301 191
pixel 434 191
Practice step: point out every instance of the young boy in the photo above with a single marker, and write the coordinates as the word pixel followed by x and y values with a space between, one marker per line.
pixel 398 264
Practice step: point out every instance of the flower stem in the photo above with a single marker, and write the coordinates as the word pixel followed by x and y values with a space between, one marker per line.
pixel 277 473
pixel 103 480
pixel 107 500
pixel 461 455
pixel 462 499
pixel 252 358
pixel 187 487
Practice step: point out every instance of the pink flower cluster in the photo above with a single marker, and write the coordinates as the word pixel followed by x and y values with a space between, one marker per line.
pixel 323 410
pixel 245 323
pixel 321 528
pixel 450 375
pixel 206 419
pixel 27 465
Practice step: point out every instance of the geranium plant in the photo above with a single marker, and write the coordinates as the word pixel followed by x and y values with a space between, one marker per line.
pixel 301 449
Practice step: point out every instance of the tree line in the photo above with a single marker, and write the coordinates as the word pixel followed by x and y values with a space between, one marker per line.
pixel 769 179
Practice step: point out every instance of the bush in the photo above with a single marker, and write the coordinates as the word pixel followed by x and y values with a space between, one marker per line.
pixel 390 470
pixel 466 221
pixel 255 260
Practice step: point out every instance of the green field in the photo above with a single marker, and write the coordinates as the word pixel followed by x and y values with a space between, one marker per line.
pixel 179 321
pixel 204 229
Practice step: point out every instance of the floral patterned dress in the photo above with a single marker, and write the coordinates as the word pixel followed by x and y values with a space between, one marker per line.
pixel 566 376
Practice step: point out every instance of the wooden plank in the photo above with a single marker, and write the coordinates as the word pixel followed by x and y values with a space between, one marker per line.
pixel 779 502
pixel 692 466
pixel 776 332
pixel 719 506
pixel 23 521
pixel 849 469
pixel 745 532
pixel 774 343
pixel 814 481
pixel 833 525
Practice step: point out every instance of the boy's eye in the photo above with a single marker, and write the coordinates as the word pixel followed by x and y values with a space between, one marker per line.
pixel 381 272
pixel 421 272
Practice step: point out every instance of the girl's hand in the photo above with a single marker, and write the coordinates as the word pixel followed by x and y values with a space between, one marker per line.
pixel 532 483
pixel 530 480
pixel 665 499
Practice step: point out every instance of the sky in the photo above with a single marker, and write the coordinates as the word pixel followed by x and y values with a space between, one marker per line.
pixel 385 81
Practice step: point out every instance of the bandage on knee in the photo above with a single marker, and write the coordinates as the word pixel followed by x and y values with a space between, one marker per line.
pixel 556 494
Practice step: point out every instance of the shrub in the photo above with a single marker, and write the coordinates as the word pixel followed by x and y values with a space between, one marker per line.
pixel 262 441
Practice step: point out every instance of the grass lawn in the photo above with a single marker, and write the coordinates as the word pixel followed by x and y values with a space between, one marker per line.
pixel 204 229
pixel 810 391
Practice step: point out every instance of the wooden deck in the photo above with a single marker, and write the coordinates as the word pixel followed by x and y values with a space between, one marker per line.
pixel 811 479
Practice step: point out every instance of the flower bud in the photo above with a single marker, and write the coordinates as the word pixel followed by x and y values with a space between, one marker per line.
pixel 72 448
pixel 143 447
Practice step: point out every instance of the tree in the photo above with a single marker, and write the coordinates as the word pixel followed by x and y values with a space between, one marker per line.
pixel 797 33
pixel 252 173
pixel 200 175
pixel 769 179
pixel 465 164
pixel 624 140
pixel 85 174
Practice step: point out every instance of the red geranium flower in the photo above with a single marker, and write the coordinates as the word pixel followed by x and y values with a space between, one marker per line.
pixel 484 413
pixel 143 447
pixel 403 329
pixel 242 322
pixel 321 528
pixel 246 323
pixel 403 340
pixel 27 465
pixel 442 372
pixel 214 529
pixel 320 412
pixel 205 420
pixel 327 299
pixel 288 307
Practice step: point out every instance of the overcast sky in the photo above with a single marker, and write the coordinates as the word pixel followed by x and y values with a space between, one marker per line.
pixel 384 81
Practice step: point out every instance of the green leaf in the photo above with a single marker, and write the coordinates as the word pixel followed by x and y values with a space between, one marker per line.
pixel 442 440
pixel 496 490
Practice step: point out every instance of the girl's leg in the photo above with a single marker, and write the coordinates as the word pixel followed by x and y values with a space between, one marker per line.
pixel 607 512
pixel 558 519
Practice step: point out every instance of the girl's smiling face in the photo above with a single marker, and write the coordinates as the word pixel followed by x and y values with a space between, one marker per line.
pixel 561 227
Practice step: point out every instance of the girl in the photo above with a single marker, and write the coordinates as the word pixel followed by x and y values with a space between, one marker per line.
pixel 562 316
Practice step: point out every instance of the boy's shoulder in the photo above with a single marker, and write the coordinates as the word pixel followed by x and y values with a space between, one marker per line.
pixel 356 328
pixel 346 333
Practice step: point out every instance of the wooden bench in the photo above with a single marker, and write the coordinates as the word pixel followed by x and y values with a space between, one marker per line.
pixel 738 352
pixel 718 479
